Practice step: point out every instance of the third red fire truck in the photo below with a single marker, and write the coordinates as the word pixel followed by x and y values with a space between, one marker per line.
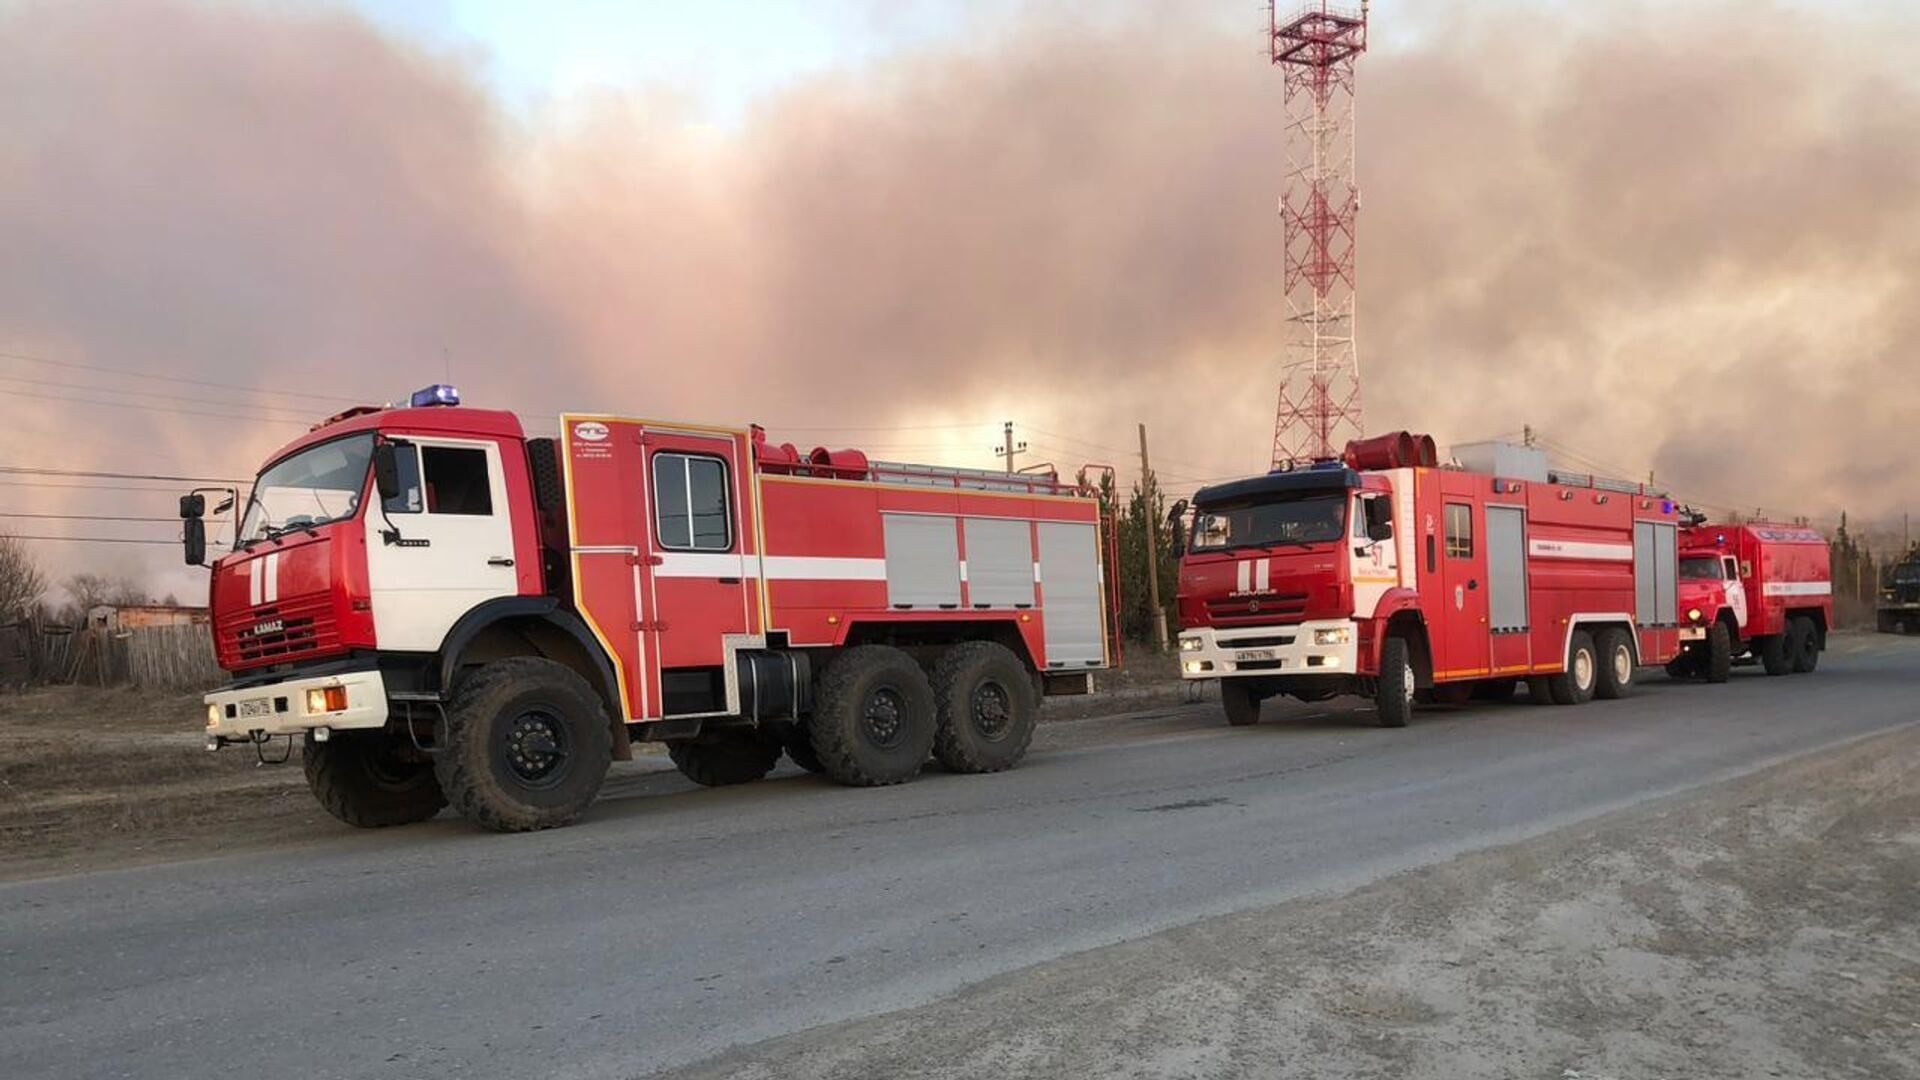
pixel 1385 575
pixel 447 610
pixel 1759 589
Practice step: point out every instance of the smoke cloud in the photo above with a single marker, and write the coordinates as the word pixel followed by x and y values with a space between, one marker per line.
pixel 1684 243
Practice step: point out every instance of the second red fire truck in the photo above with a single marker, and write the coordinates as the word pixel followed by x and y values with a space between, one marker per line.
pixel 1763 590
pixel 1385 575
pixel 446 610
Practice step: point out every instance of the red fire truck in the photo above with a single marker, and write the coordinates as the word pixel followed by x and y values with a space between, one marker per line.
pixel 449 611
pixel 1386 576
pixel 1762 589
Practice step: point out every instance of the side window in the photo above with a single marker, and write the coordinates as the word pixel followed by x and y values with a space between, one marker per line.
pixel 456 481
pixel 691 511
pixel 1732 571
pixel 1459 531
pixel 1359 516
pixel 406 459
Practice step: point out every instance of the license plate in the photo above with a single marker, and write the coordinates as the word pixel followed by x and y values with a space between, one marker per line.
pixel 1256 654
pixel 253 708
pixel 1696 633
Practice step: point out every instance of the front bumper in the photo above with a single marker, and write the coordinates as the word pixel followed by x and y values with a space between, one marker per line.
pixel 1207 653
pixel 281 708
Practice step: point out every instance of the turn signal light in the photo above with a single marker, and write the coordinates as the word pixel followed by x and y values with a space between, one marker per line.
pixel 327 699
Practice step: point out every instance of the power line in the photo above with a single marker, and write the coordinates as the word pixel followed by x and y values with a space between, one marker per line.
pixel 173 378
pixel 188 398
pixel 86 517
pixel 101 540
pixel 29 470
pixel 162 408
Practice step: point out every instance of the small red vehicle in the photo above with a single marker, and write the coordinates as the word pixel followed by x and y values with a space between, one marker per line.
pixel 1761 591
pixel 449 611
pixel 1386 576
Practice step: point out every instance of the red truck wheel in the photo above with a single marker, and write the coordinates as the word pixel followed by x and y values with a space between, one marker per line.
pixel 371 779
pixel 1574 686
pixel 726 756
pixel 1719 653
pixel 1241 703
pixel 1774 655
pixel 873 717
pixel 1803 642
pixel 525 745
pixel 1393 699
pixel 985 707
pixel 1614 676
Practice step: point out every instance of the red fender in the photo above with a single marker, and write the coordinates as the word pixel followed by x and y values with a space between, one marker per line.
pixel 1373 630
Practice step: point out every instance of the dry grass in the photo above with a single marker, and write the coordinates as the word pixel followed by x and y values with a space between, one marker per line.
pixel 91 776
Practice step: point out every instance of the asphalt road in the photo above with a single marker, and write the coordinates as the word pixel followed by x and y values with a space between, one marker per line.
pixel 677 922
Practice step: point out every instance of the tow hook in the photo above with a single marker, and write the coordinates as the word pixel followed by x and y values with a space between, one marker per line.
pixel 261 740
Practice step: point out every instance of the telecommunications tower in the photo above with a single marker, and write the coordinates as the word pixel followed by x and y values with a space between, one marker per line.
pixel 1319 406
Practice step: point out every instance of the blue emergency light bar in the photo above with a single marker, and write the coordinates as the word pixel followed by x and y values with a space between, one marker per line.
pixel 437 394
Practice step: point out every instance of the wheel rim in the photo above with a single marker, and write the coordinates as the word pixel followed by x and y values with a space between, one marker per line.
pixel 884 721
pixel 1583 669
pixel 992 711
pixel 384 767
pixel 1622 664
pixel 535 748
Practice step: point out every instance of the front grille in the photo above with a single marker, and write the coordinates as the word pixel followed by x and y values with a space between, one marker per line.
pixel 1278 641
pixel 278 633
pixel 1258 610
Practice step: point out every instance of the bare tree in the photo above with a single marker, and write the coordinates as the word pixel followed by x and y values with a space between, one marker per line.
pixel 21 582
pixel 92 590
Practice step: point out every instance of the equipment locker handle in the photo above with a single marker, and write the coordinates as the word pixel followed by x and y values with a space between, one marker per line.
pixel 728 580
pixel 499 560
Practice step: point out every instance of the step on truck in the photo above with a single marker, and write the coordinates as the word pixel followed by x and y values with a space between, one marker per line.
pixel 1757 592
pixel 444 610
pixel 1384 575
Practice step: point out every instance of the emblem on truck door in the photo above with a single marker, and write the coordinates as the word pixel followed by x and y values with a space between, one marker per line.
pixel 590 430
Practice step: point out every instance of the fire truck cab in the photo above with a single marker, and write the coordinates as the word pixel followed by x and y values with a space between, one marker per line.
pixel 1385 575
pixel 447 611
pixel 1761 591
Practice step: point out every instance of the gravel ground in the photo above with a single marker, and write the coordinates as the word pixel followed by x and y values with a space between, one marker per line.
pixel 1766 927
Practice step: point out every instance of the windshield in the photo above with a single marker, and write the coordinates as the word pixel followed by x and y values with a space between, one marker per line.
pixel 317 485
pixel 1311 519
pixel 1702 569
pixel 1906 574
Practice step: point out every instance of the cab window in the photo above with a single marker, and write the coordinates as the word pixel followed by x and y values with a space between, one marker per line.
pixel 452 480
pixel 691 509
pixel 1459 531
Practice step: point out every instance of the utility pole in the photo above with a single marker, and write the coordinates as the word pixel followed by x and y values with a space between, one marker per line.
pixel 1526 435
pixel 1147 487
pixel 1008 447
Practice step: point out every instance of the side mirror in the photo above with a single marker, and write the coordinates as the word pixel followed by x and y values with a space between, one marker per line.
pixel 1176 534
pixel 193 530
pixel 1379 520
pixel 386 471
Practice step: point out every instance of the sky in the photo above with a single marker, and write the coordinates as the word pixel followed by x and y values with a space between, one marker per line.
pixel 895 225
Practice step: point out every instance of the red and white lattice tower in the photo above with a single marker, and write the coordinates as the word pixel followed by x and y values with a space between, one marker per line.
pixel 1319 405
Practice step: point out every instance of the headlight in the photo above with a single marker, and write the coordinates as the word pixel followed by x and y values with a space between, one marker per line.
pixel 1195 667
pixel 1338 635
pixel 1693 614
pixel 1189 644
pixel 326 699
pixel 213 716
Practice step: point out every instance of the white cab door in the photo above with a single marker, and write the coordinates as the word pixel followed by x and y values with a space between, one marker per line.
pixel 443 546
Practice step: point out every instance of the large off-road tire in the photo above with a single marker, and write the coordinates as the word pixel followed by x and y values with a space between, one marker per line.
pixel 1773 653
pixel 725 756
pixel 1575 685
pixel 371 779
pixel 873 717
pixel 1393 694
pixel 524 745
pixel 985 708
pixel 1241 703
pixel 1716 659
pixel 799 746
pixel 1803 644
pixel 1613 678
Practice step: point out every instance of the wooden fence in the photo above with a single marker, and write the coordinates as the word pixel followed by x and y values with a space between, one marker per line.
pixel 153 657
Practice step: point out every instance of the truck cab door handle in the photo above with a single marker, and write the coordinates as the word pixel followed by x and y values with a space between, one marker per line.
pixel 1473 583
pixel 499 560
pixel 729 581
